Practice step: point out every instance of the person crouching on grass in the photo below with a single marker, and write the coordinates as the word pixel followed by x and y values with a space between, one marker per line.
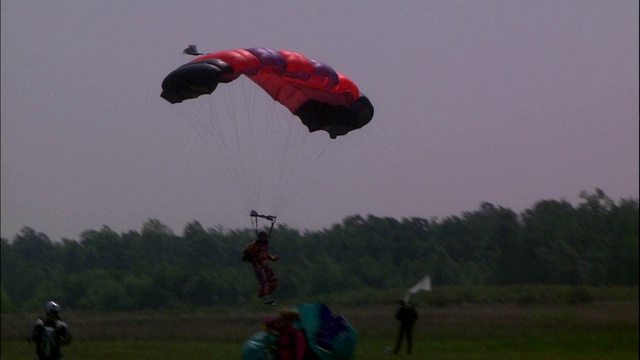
pixel 291 343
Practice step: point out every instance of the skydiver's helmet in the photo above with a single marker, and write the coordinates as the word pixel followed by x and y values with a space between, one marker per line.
pixel 263 236
pixel 52 309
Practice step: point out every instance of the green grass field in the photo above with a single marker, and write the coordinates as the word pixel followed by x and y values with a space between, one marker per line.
pixel 595 330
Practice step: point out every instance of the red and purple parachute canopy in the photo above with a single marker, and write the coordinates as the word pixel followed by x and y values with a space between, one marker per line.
pixel 321 97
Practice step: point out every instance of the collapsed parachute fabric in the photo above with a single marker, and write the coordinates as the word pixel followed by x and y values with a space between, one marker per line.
pixel 329 336
pixel 321 97
pixel 260 346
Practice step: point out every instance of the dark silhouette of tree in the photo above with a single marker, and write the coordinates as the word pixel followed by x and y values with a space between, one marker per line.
pixel 553 242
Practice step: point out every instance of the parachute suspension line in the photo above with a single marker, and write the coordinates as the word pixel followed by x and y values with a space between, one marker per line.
pixel 224 118
pixel 293 152
pixel 254 142
pixel 238 123
pixel 214 119
pixel 269 136
pixel 321 157
pixel 299 184
pixel 283 128
pixel 254 219
pixel 263 148
pixel 297 154
pixel 314 150
pixel 285 154
pixel 241 141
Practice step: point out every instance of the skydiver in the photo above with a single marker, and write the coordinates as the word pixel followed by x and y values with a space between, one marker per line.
pixel 260 257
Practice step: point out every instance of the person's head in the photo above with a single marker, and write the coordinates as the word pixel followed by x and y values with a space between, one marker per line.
pixel 288 316
pixel 263 236
pixel 52 309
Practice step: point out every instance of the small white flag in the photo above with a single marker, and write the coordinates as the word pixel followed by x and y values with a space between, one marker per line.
pixel 424 284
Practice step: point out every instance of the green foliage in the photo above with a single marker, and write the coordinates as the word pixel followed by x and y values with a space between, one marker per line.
pixel 554 243
pixel 580 295
pixel 5 302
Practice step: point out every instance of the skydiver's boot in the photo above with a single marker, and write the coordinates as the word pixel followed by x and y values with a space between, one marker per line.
pixel 269 300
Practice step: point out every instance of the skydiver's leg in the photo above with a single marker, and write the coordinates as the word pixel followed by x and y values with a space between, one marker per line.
pixel 262 281
pixel 272 280
pixel 409 339
pixel 399 340
pixel 270 284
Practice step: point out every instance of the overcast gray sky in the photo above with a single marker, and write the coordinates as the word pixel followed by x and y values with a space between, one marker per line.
pixel 508 102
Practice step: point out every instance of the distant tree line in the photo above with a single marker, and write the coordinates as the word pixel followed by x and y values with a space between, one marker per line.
pixel 594 243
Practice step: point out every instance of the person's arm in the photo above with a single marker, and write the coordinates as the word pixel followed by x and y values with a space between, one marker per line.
pixel 63 332
pixel 37 330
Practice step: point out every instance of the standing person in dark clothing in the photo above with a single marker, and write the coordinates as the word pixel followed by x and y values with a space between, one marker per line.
pixel 50 333
pixel 407 316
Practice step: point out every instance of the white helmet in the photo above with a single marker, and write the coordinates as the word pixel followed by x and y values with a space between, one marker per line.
pixel 51 308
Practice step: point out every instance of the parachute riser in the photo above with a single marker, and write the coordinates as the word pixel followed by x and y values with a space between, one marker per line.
pixel 254 218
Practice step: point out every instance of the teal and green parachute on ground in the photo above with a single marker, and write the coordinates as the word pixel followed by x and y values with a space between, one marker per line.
pixel 329 336
pixel 260 346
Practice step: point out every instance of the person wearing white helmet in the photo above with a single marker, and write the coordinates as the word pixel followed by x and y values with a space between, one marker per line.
pixel 50 333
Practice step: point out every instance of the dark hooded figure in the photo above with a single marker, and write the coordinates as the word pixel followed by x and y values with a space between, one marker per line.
pixel 407 316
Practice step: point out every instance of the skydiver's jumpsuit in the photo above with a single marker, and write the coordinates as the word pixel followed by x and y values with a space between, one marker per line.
pixel 264 273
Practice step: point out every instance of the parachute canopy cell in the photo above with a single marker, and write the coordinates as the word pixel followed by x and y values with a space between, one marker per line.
pixel 328 334
pixel 260 346
pixel 321 97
